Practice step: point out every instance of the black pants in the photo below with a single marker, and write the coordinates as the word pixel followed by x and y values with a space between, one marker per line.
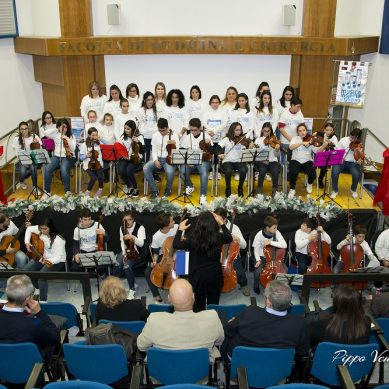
pixel 95 175
pixel 152 287
pixel 303 261
pixel 240 167
pixel 273 168
pixel 296 167
pixel 240 273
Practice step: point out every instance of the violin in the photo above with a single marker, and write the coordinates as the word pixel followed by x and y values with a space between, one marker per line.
pixel 352 254
pixel 169 148
pixel 357 147
pixel 228 255
pixel 164 272
pixel 131 252
pixel 319 252
pixel 68 152
pixel 206 148
pixel 317 140
pixel 135 147
pixel 274 264
pixel 94 163
pixel 100 237
pixel 271 141
pixel 307 138
pixel 242 140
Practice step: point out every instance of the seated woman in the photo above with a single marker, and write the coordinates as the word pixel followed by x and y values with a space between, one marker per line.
pixel 113 304
pixel 347 324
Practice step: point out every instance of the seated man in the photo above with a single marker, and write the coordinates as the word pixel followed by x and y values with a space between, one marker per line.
pixel 182 329
pixel 270 327
pixel 16 326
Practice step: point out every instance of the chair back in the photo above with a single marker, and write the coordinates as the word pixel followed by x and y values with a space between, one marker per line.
pixel 17 361
pixel 229 311
pixel 104 363
pixel 160 308
pixel 188 386
pixel 297 309
pixel 135 326
pixel 299 386
pixel 63 309
pixel 178 366
pixel 265 366
pixel 75 384
pixel 92 309
pixel 250 249
pixel 359 360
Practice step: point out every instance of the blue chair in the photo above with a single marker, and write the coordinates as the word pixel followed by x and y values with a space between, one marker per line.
pixel 92 308
pixel 299 386
pixel 260 365
pixel 17 361
pixel 160 308
pixel 187 386
pixel 63 309
pixel 297 309
pixel 229 311
pixel 3 387
pixel 135 326
pixel 104 363
pixel 75 384
pixel 324 363
pixel 170 367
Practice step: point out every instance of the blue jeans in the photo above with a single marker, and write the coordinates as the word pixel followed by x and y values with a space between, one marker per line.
pixel 263 168
pixel 203 170
pixel 42 284
pixel 150 168
pixel 65 165
pixel 23 171
pixel 127 268
pixel 352 168
pixel 20 259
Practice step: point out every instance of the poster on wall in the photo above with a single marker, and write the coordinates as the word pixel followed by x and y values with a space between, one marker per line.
pixel 78 129
pixel 352 81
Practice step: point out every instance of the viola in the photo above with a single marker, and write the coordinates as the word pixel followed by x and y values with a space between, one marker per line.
pixel 319 252
pixel 94 163
pixel 352 254
pixel 274 264
pixel 100 237
pixel 242 140
pixel 228 255
pixel 357 147
pixel 164 272
pixel 206 148
pixel 169 148
pixel 307 138
pixel 317 140
pixel 131 252
pixel 135 148
pixel 272 141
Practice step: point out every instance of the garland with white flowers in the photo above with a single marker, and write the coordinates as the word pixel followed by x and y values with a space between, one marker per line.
pixel 111 205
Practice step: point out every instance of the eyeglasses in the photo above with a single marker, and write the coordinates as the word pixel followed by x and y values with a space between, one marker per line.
pixel 48 117
pixel 24 128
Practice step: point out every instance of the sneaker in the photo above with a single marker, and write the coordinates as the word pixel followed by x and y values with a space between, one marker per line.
pixel 129 191
pixel 189 190
pixel 219 176
pixel 245 290
pixel 99 192
pixel 21 185
pixel 131 294
pixel 135 193
pixel 309 188
pixel 154 195
pixel 203 199
pixel 87 193
pixel 236 177
pixel 158 300
pixel 45 196
pixel 210 176
pixel 354 195
pixel 267 177
pixel 42 301
pixel 334 195
pixel 291 193
pixel 68 193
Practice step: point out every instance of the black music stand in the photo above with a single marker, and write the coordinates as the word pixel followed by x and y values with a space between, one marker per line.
pixel 186 157
pixel 34 157
pixel 257 156
pixel 325 159
pixel 114 153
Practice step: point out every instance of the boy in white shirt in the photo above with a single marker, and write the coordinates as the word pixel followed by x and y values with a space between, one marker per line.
pixel 382 248
pixel 305 235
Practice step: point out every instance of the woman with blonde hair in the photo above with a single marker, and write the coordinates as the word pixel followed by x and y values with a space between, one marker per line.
pixel 113 304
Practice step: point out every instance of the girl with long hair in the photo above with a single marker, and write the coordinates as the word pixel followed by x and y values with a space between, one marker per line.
pixel 160 96
pixel 133 96
pixel 264 113
pixel 243 115
pixel 204 242
pixel 195 104
pixel 94 100
pixel 47 124
pixel 176 112
pixel 112 106
pixel 229 103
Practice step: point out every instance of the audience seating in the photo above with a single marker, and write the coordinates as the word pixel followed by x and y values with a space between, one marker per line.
pixel 135 326
pixel 17 361
pixel 229 311
pixel 106 364
pixel 160 308
pixel 75 384
pixel 297 309
pixel 66 310
pixel 298 386
pixel 265 366
pixel 178 366
pixel 324 366
pixel 187 386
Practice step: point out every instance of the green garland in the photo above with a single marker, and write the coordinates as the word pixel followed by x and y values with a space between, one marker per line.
pixel 110 205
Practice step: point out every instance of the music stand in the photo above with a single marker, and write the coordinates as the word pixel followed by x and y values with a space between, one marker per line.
pixel 325 159
pixel 96 260
pixel 257 156
pixel 114 153
pixel 34 157
pixel 186 157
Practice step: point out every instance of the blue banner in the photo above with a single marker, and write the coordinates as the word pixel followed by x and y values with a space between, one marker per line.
pixel 384 45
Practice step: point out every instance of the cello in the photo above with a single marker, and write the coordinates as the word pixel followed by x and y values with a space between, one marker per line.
pixel 206 148
pixel 319 251
pixel 274 264
pixel 169 148
pixel 164 272
pixel 352 254
pixel 228 255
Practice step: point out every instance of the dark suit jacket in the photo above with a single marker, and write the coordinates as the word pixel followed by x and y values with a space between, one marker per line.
pixel 255 327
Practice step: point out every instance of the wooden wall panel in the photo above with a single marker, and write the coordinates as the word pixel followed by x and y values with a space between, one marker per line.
pixel 100 72
pixel 76 18
pixel 54 99
pixel 48 70
pixel 319 18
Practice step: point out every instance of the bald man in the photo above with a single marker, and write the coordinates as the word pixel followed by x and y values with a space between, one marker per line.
pixel 183 329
